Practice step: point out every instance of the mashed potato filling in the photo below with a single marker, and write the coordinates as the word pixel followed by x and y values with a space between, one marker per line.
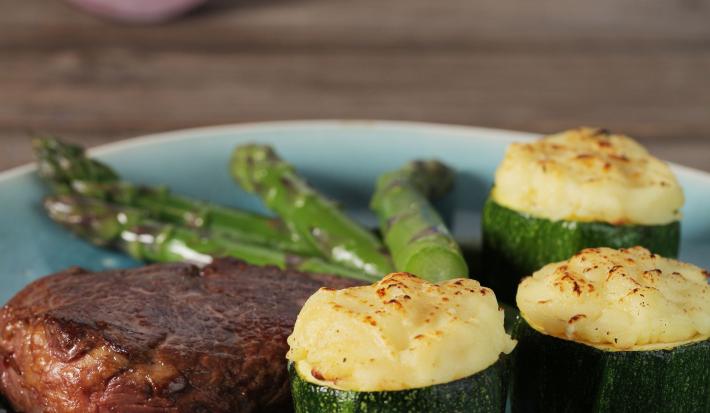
pixel 587 175
pixel 628 299
pixel 399 333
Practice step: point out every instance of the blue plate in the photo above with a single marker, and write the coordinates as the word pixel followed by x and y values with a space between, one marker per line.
pixel 342 158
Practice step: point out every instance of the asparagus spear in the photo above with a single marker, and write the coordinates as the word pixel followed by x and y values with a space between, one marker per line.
pixel 67 168
pixel 413 231
pixel 132 231
pixel 258 169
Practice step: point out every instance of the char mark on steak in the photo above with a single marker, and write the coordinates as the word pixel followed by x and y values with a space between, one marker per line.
pixel 162 338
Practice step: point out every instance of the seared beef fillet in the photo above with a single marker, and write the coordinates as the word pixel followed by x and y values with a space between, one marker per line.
pixel 163 338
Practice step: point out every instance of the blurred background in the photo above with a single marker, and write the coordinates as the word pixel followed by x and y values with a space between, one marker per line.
pixel 641 67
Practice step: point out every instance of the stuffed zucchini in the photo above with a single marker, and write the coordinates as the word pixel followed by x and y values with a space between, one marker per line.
pixel 400 345
pixel 578 189
pixel 613 330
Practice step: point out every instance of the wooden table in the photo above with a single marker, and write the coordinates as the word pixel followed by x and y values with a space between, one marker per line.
pixel 635 66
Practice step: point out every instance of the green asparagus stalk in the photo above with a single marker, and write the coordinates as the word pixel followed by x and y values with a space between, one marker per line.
pixel 132 231
pixel 413 231
pixel 258 169
pixel 67 168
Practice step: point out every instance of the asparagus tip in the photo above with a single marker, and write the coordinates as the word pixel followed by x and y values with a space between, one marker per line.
pixel 432 176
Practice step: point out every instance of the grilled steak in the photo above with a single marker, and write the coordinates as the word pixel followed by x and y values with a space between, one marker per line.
pixel 163 338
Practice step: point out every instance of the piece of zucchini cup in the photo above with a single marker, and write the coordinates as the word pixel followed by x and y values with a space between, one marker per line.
pixel 613 331
pixel 577 189
pixel 400 345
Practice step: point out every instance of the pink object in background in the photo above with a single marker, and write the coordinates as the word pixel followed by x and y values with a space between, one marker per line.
pixel 138 11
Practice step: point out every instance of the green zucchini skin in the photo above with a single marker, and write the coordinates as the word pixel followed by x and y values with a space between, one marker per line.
pixel 483 392
pixel 515 244
pixel 555 375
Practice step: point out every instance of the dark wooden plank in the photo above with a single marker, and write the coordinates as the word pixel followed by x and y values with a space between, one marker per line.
pixel 650 95
pixel 495 26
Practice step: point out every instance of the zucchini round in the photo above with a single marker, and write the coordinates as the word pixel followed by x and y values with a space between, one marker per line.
pixel 556 375
pixel 516 244
pixel 483 392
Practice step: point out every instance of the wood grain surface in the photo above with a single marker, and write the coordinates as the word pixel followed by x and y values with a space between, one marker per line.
pixel 635 66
